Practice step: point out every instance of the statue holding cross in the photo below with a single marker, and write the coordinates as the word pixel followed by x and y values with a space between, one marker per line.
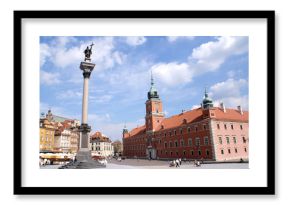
pixel 88 53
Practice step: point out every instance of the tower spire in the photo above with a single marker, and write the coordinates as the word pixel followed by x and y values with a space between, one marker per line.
pixel 205 92
pixel 152 80
pixel 207 102
pixel 153 91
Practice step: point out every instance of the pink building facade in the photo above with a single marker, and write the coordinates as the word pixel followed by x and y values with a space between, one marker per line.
pixel 230 139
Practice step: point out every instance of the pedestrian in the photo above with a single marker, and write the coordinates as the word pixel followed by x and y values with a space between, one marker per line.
pixel 40 161
pixel 180 161
pixel 198 164
pixel 177 163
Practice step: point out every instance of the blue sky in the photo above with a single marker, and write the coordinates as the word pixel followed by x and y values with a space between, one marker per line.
pixel 182 67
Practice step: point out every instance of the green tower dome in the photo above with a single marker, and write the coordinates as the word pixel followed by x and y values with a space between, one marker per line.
pixel 207 101
pixel 153 91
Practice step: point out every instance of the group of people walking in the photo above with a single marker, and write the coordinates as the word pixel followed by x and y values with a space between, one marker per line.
pixel 178 162
pixel 175 163
pixel 43 162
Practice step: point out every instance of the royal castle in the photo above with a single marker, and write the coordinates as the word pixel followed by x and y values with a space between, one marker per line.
pixel 208 132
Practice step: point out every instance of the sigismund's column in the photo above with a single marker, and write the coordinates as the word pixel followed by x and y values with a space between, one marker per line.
pixel 87 67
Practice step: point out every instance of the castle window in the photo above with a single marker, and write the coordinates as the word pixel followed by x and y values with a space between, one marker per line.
pixel 170 144
pixel 181 143
pixel 189 142
pixel 184 153
pixel 229 151
pixel 199 152
pixel 188 130
pixel 207 153
pixel 244 140
pixel 196 128
pixel 180 131
pixel 165 144
pixel 206 140
pixel 245 149
pixel 176 144
pixel 225 125
pixel 222 151
pixel 235 140
pixel 241 127
pixel 232 126
pixel 197 141
pixel 174 132
pixel 228 140
pixel 204 127
pixel 236 150
pixel 220 140
pixel 176 153
pixel 192 152
pixel 218 126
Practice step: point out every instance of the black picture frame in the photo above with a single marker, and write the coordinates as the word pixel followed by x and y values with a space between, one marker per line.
pixel 269 16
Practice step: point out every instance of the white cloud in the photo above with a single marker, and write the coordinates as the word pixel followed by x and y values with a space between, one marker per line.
pixel 67 52
pixel 229 92
pixel 44 53
pixel 228 88
pixel 175 38
pixel 211 55
pixel 68 94
pixel 172 74
pixel 233 102
pixel 100 99
pixel 47 78
pixel 205 58
pixel 44 107
pixel 135 40
pixel 231 74
pixel 119 57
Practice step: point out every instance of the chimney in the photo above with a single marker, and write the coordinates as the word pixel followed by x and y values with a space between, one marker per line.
pixel 240 110
pixel 222 105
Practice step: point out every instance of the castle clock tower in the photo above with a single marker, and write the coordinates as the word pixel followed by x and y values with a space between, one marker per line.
pixel 154 111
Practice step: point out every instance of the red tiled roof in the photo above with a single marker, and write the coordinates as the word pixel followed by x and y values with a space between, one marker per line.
pixel 194 116
pixel 136 131
pixel 177 120
pixel 231 115
pixel 98 135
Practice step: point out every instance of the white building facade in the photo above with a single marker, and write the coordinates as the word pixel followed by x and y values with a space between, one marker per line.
pixel 100 145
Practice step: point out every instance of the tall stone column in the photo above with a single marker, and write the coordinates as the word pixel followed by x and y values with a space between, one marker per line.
pixel 87 67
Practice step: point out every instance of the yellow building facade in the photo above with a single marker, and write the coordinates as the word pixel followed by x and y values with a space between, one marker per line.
pixel 47 131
